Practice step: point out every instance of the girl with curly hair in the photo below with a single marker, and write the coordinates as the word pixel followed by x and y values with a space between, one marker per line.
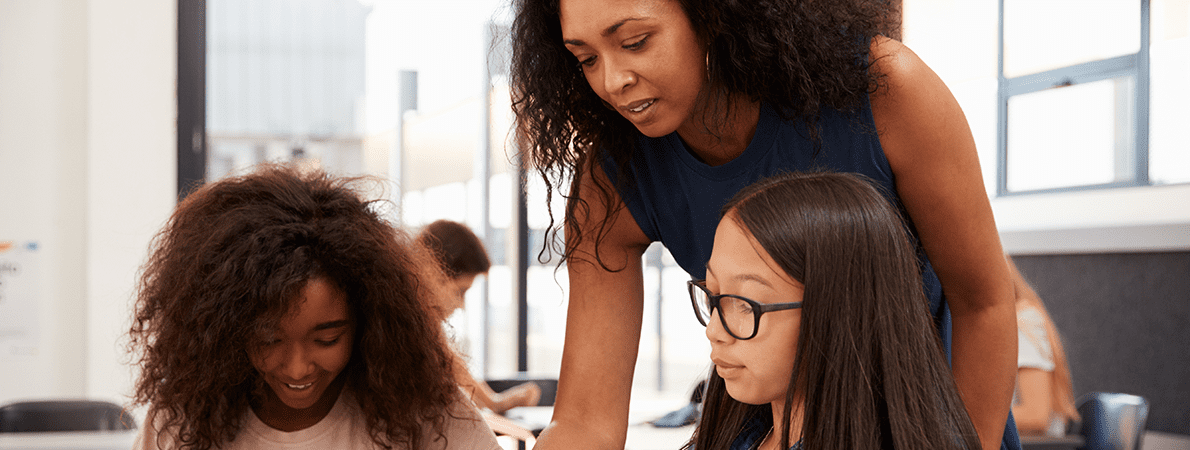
pixel 820 332
pixel 650 114
pixel 279 310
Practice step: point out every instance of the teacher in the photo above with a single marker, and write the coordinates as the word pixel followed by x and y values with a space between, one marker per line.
pixel 650 114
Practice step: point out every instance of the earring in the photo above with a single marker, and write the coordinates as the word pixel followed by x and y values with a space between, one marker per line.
pixel 708 59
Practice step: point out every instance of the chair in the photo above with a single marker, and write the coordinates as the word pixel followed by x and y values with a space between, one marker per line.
pixel 1112 421
pixel 64 415
pixel 549 386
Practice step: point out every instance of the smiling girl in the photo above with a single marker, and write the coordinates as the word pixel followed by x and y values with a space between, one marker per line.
pixel 278 310
pixel 820 334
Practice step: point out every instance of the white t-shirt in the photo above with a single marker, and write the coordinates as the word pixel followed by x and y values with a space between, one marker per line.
pixel 1033 348
pixel 344 427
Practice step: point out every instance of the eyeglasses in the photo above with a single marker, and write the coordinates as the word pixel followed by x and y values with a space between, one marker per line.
pixel 740 316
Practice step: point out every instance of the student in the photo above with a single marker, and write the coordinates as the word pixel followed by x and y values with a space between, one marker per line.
pixel 463 258
pixel 279 310
pixel 820 333
pixel 1044 401
pixel 652 113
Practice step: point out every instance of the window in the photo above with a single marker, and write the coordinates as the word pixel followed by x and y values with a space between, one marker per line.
pixel 1088 97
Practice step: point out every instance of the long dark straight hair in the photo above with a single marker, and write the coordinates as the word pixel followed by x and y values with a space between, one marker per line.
pixel 869 364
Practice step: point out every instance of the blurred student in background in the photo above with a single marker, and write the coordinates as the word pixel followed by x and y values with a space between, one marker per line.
pixel 1044 400
pixel 279 310
pixel 463 258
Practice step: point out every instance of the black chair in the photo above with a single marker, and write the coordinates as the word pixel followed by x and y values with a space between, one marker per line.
pixel 64 415
pixel 1112 421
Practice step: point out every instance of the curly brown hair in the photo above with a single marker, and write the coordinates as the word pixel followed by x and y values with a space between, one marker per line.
pixel 798 56
pixel 230 263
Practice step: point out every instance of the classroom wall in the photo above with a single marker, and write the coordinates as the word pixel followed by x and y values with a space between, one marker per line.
pixel 87 170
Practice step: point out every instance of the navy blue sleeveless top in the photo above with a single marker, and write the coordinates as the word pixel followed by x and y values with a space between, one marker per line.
pixel 676 199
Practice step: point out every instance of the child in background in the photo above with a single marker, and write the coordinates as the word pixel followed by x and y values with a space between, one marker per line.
pixel 463 258
pixel 279 310
pixel 819 327
pixel 1044 401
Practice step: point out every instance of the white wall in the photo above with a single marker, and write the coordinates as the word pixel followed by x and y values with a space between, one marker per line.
pixel 43 62
pixel 87 169
pixel 957 38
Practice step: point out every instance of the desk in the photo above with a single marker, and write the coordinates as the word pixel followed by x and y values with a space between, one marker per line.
pixel 77 440
pixel 1068 442
pixel 641 436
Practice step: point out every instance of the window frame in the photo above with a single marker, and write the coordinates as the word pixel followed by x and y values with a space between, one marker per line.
pixel 1135 65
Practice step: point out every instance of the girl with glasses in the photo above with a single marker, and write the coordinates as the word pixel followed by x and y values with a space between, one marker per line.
pixel 820 332
pixel 280 310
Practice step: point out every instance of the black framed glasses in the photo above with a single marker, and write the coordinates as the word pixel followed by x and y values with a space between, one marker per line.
pixel 740 316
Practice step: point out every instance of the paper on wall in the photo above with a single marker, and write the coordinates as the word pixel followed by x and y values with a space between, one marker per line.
pixel 19 300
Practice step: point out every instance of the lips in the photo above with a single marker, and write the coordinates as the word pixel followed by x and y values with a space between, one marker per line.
pixel 726 369
pixel 299 387
pixel 639 106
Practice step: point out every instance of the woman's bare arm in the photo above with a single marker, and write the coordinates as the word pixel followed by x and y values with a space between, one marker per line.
pixel 603 321
pixel 932 153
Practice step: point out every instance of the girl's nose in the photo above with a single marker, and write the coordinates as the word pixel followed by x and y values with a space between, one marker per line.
pixel 296 364
pixel 715 331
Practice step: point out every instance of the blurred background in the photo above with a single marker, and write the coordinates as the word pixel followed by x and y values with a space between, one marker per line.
pixel 111 110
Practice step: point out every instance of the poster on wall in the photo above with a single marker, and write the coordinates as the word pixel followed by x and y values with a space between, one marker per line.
pixel 19 300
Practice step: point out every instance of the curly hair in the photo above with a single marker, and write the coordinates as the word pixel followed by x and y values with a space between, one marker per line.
pixel 230 263
pixel 798 56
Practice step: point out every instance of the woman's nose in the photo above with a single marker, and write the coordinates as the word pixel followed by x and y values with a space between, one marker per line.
pixel 617 76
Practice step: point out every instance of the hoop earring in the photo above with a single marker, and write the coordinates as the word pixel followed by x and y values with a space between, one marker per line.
pixel 708 59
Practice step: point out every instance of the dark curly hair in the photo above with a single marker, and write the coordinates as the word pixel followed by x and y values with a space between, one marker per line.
pixel 799 56
pixel 230 263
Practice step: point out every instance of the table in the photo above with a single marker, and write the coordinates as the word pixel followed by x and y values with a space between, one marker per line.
pixel 641 436
pixel 1068 442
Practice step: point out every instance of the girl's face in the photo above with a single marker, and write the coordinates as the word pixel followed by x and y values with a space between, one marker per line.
pixel 459 286
pixel 640 56
pixel 301 361
pixel 756 370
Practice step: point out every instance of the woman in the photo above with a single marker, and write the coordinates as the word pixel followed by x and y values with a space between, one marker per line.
pixel 279 310
pixel 655 112
pixel 463 258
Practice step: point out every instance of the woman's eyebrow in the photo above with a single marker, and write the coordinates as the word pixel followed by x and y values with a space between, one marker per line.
pixel 606 31
pixel 333 324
